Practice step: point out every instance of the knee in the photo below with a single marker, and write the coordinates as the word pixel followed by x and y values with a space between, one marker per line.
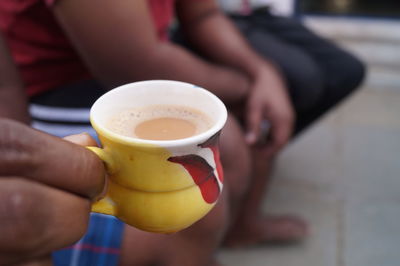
pixel 235 157
pixel 347 75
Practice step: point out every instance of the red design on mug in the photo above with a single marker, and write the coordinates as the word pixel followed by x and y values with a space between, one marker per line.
pixel 203 173
pixel 212 143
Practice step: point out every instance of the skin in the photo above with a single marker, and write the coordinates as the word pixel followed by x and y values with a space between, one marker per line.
pixel 35 203
pixel 13 101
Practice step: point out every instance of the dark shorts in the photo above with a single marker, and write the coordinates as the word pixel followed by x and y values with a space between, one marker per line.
pixel 319 74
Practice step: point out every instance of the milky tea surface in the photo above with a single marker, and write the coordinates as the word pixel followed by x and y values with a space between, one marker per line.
pixel 160 122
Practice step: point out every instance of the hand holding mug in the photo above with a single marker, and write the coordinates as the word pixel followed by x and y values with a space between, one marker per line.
pixel 46 189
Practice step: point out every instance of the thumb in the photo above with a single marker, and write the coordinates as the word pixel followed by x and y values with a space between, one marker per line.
pixel 83 139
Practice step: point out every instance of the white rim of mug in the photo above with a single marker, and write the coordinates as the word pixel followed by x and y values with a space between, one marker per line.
pixel 102 130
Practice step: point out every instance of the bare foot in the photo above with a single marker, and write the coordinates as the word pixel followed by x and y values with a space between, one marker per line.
pixel 267 230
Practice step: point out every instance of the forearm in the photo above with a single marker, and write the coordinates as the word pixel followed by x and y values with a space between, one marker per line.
pixel 168 61
pixel 230 85
pixel 119 44
pixel 218 39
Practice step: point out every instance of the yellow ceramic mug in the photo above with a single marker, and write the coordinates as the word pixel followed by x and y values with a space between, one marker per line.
pixel 159 186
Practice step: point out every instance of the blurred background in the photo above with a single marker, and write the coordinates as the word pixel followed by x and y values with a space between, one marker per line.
pixel 343 175
pixel 372 8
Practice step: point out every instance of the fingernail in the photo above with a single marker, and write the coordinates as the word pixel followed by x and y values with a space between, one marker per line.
pixel 250 137
pixel 103 193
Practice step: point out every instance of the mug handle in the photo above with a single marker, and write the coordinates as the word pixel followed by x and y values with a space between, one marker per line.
pixel 104 205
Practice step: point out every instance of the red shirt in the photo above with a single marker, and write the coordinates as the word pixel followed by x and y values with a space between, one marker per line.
pixel 163 12
pixel 42 52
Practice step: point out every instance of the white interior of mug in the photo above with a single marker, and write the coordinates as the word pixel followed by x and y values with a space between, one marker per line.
pixel 156 92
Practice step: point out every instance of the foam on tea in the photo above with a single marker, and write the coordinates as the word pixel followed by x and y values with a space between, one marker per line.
pixel 160 122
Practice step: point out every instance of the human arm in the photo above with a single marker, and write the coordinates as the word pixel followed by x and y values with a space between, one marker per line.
pixel 214 35
pixel 119 44
pixel 13 100
pixel 46 189
pixel 207 29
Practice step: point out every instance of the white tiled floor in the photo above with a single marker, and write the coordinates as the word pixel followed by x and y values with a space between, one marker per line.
pixel 343 176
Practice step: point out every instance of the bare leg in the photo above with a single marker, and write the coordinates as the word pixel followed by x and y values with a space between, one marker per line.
pixel 236 160
pixel 251 226
pixel 196 245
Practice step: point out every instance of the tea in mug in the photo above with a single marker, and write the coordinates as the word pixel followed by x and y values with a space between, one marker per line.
pixel 160 122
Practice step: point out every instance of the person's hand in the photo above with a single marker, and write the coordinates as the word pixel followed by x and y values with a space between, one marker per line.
pixel 46 188
pixel 268 105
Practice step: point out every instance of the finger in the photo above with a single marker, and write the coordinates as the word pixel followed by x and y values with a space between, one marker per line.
pixel 264 130
pixel 50 160
pixel 36 219
pixel 280 133
pixel 253 121
pixel 47 260
pixel 83 139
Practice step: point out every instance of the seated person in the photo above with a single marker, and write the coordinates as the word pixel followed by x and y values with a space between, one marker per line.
pixel 317 75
